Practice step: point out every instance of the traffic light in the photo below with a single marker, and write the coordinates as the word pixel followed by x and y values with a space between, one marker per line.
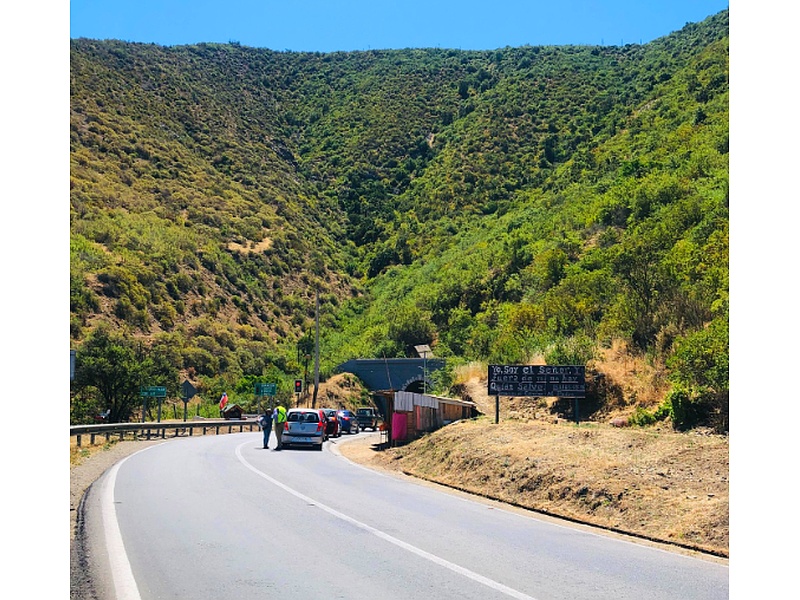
pixel 298 386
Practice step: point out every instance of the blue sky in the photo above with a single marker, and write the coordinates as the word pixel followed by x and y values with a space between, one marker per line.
pixel 328 25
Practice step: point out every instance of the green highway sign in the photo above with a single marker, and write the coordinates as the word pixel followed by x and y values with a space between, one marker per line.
pixel 153 391
pixel 266 389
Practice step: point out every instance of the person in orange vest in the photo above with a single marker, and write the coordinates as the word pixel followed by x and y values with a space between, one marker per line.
pixel 279 418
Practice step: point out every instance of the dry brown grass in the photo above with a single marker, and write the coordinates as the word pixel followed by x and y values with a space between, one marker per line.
pixel 342 391
pixel 251 247
pixel 639 381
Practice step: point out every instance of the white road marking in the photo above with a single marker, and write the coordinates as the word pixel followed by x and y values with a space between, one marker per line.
pixel 121 572
pixel 495 585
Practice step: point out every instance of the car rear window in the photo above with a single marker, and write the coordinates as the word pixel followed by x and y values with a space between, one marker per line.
pixel 303 417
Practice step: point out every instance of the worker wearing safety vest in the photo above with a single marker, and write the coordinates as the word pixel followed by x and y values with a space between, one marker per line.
pixel 279 418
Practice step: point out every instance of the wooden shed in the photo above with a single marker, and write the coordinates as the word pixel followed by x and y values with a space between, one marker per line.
pixel 415 414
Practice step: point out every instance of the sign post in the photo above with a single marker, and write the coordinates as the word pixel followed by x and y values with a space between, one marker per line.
pixel 560 381
pixel 152 391
pixel 187 391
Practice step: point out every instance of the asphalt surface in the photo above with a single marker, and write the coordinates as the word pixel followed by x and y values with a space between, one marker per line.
pixel 220 517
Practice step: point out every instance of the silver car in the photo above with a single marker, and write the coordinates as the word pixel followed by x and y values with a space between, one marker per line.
pixel 304 427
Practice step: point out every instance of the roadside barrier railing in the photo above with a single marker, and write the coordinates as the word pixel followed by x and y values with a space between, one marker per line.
pixel 149 430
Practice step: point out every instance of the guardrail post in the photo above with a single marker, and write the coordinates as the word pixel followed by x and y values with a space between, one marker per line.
pixel 78 440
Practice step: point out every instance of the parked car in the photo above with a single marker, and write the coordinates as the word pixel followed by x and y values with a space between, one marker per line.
pixel 304 427
pixel 334 427
pixel 367 418
pixel 349 421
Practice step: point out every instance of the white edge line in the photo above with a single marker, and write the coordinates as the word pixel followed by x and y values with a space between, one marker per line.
pixel 121 572
pixel 495 585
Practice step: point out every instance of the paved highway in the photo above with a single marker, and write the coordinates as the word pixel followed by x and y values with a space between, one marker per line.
pixel 219 517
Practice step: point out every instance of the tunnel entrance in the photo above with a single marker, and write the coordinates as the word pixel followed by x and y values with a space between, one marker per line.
pixel 417 387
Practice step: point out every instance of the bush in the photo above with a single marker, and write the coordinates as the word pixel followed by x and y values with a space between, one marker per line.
pixel 689 409
pixel 700 373
pixel 701 359
pixel 410 327
pixel 575 350
pixel 643 417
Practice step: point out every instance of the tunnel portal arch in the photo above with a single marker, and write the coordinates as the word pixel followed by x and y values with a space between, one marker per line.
pixel 393 374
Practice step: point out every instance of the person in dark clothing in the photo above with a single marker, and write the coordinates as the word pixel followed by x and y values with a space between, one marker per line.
pixel 265 422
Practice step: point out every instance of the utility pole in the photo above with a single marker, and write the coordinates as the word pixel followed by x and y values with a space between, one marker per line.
pixel 316 353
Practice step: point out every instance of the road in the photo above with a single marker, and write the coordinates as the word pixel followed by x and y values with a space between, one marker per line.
pixel 219 517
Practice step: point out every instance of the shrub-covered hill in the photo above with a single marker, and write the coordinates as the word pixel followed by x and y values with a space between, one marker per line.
pixel 498 205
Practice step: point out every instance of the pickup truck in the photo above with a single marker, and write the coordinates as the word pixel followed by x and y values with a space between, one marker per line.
pixel 367 418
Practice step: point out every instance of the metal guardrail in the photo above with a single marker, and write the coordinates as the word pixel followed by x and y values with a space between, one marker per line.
pixel 150 430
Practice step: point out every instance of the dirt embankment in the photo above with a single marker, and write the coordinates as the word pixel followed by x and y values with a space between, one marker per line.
pixel 655 484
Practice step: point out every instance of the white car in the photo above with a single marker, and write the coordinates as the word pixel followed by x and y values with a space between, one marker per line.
pixel 304 427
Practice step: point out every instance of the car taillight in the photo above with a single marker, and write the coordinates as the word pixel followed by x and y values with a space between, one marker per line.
pixel 319 426
pixel 286 426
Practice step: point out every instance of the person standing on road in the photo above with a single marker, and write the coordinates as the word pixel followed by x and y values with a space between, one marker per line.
pixel 265 422
pixel 279 417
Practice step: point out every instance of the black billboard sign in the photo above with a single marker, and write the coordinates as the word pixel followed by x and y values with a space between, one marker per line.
pixel 562 381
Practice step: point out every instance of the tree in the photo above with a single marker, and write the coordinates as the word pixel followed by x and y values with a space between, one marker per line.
pixel 410 327
pixel 700 372
pixel 638 263
pixel 116 367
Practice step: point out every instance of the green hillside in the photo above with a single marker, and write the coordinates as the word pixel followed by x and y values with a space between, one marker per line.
pixel 499 205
